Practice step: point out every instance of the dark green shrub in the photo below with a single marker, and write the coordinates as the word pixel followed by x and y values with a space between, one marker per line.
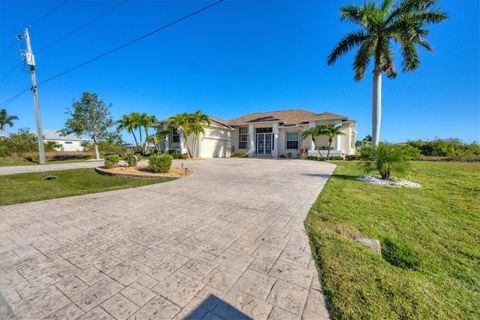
pixel 175 154
pixel 289 155
pixel 160 163
pixel 239 154
pixel 283 156
pixel 111 161
pixel 131 160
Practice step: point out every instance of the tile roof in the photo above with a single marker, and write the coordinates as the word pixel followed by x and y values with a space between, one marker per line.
pixel 287 117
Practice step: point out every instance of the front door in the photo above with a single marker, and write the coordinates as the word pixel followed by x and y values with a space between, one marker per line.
pixel 264 143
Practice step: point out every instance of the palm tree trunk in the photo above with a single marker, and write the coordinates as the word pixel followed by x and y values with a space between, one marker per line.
pixel 376 106
pixel 135 138
pixel 329 147
pixel 141 140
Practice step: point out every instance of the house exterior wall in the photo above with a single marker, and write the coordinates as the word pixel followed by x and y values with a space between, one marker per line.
pixel 68 145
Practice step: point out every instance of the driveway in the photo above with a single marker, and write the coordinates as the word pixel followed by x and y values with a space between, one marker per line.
pixel 227 242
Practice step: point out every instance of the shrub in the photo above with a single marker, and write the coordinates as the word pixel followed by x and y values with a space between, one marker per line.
pixel 239 154
pixel 386 159
pixel 283 156
pixel 175 154
pixel 446 148
pixel 289 155
pixel 160 163
pixel 131 160
pixel 111 161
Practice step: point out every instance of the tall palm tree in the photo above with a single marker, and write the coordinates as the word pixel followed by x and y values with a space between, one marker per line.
pixel 311 132
pixel 146 121
pixel 404 23
pixel 180 122
pixel 6 120
pixel 195 126
pixel 331 131
pixel 129 122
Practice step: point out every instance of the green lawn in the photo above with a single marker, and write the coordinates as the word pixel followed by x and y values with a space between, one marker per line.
pixel 430 237
pixel 25 187
pixel 7 162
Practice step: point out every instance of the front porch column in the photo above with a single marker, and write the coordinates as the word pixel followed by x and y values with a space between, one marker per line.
pixel 275 140
pixel 167 138
pixel 338 123
pixel 251 140
pixel 310 141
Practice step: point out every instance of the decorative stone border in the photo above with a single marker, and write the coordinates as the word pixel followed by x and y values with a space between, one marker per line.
pixel 146 175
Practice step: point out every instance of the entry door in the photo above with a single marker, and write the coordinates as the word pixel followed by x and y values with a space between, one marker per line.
pixel 264 143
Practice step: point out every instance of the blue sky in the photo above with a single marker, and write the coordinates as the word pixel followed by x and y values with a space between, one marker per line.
pixel 237 58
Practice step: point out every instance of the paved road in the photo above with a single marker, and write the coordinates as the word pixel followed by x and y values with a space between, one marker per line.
pixel 49 167
pixel 227 242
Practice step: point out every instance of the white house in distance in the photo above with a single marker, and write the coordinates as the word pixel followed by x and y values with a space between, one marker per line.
pixel 267 134
pixel 69 142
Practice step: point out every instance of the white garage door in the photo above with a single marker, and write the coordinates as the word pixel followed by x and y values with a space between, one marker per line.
pixel 215 148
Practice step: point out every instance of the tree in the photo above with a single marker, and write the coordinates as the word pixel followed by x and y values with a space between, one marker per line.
pixel 404 23
pixel 129 122
pixel 146 122
pixel 180 122
pixel 331 131
pixel 195 127
pixel 311 132
pixel 387 159
pixel 6 120
pixel 89 116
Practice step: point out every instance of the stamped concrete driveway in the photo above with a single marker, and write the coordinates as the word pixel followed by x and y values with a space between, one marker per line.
pixel 226 242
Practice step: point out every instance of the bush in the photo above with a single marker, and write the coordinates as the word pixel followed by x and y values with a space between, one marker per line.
pixel 453 148
pixel 386 159
pixel 131 160
pixel 175 154
pixel 111 161
pixel 239 154
pixel 283 156
pixel 160 163
pixel 289 155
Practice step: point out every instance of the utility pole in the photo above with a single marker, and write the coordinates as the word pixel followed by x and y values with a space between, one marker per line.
pixel 30 61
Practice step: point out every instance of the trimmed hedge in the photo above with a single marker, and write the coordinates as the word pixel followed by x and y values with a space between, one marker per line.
pixel 111 161
pixel 131 160
pixel 160 163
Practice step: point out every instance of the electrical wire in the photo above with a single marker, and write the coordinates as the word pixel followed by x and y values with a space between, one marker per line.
pixel 124 45
pixel 48 13
pixel 82 26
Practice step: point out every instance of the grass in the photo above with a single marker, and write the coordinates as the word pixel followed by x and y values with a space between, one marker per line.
pixel 430 263
pixel 8 162
pixel 26 187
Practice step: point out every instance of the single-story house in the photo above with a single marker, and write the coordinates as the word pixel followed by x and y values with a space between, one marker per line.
pixel 266 134
pixel 69 142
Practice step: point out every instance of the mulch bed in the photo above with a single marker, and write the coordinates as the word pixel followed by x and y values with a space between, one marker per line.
pixel 143 172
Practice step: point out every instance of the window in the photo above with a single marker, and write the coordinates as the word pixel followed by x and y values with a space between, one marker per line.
pixel 175 135
pixel 292 140
pixel 242 138
pixel 68 142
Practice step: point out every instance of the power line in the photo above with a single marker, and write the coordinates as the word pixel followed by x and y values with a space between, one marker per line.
pixel 10 47
pixel 10 72
pixel 48 13
pixel 82 26
pixel 124 45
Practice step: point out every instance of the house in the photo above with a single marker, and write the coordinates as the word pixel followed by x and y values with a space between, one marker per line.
pixel 266 134
pixel 69 142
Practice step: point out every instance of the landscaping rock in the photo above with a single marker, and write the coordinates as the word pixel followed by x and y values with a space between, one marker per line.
pixel 389 182
pixel 373 244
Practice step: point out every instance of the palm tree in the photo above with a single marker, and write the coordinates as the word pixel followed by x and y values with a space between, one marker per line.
pixel 311 132
pixel 195 126
pixel 331 131
pixel 180 122
pixel 129 122
pixel 6 120
pixel 145 121
pixel 404 23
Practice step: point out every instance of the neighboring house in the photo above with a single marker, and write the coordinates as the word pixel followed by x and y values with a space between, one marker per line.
pixel 267 134
pixel 69 142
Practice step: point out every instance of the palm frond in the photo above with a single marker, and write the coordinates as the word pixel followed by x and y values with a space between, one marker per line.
pixel 352 13
pixel 350 41
pixel 362 59
pixel 409 6
pixel 429 17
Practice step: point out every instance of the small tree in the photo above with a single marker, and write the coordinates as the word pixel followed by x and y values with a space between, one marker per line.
pixel 386 159
pixel 181 121
pixel 195 126
pixel 311 132
pixel 331 131
pixel 6 120
pixel 129 122
pixel 89 116
pixel 146 122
